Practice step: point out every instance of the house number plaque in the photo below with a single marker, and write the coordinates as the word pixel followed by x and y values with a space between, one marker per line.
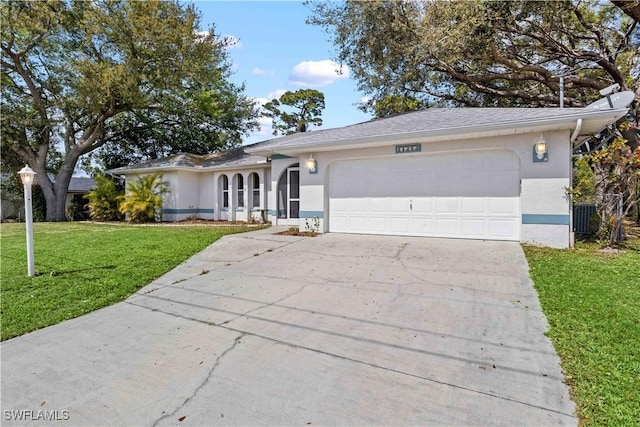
pixel 409 148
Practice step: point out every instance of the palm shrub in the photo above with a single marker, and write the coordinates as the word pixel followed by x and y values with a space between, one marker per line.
pixel 103 200
pixel 142 201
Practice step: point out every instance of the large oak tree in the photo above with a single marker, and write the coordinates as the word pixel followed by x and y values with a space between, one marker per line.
pixel 486 53
pixel 81 75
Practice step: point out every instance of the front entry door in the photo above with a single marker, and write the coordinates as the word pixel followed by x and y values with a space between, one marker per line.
pixel 289 194
pixel 294 192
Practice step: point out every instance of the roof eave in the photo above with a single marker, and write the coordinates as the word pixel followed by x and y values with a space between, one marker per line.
pixel 478 131
pixel 231 167
pixel 120 171
pixel 187 168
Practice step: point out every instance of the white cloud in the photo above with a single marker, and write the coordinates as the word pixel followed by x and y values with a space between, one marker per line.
pixel 317 73
pixel 266 126
pixel 365 99
pixel 276 94
pixel 263 73
pixel 261 101
pixel 265 123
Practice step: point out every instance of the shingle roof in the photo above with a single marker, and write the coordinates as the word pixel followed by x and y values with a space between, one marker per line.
pixel 236 157
pixel 433 121
pixel 429 120
pixel 81 185
pixel 78 184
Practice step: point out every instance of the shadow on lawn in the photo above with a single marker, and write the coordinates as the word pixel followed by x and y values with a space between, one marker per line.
pixel 80 270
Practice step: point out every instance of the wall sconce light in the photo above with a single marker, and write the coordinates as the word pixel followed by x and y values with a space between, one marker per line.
pixel 312 164
pixel 540 153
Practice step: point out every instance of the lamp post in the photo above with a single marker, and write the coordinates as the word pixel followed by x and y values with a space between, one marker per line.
pixel 27 175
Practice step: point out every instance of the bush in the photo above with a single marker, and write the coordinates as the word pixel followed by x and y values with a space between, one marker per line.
pixel 142 201
pixel 584 184
pixel 78 208
pixel 103 200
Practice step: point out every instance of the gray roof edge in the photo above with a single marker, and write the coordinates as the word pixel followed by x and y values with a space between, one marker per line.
pixel 173 168
pixel 126 170
pixel 572 115
pixel 232 167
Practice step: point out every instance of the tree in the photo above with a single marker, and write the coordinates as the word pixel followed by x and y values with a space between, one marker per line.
pixel 307 105
pixel 78 76
pixel 142 201
pixel 583 187
pixel 485 53
pixel 391 105
pixel 209 121
pixel 617 175
pixel 631 8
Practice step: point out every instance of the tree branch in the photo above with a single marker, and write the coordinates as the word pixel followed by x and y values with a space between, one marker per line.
pixel 630 8
pixel 35 93
pixel 595 30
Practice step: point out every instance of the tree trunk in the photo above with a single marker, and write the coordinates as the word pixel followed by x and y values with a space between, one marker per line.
pixel 55 193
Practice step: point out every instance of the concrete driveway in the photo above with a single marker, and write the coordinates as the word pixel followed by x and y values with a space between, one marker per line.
pixel 261 329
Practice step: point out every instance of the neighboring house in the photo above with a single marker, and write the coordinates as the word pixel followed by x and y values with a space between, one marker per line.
pixel 476 173
pixel 78 188
pixel 12 205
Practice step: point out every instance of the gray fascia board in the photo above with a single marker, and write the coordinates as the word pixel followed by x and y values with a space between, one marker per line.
pixel 264 164
pixel 494 129
pixel 150 170
pixel 187 168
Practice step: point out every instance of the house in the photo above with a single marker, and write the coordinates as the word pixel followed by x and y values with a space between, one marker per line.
pixel 12 205
pixel 476 173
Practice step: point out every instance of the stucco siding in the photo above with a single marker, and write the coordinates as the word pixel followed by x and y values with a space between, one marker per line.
pixel 182 201
pixel 206 195
pixel 542 184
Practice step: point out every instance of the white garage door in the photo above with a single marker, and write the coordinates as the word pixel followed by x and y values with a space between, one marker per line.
pixel 470 194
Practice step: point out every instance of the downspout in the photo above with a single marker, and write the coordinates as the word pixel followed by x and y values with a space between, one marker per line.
pixel 576 132
pixel 574 136
pixel 120 177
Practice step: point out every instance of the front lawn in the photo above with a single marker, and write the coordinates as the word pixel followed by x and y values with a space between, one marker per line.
pixel 592 302
pixel 81 267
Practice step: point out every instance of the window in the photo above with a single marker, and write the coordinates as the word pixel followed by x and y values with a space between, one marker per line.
pixel 240 191
pixel 225 191
pixel 255 189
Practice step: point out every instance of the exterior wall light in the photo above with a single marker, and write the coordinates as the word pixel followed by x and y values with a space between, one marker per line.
pixel 27 175
pixel 312 164
pixel 540 153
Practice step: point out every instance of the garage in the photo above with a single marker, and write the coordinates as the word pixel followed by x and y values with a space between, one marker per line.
pixel 468 173
pixel 471 194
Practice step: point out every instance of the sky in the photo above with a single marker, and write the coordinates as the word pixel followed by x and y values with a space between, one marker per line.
pixel 276 51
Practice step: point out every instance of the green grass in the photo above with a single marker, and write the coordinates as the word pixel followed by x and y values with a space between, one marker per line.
pixel 592 302
pixel 81 267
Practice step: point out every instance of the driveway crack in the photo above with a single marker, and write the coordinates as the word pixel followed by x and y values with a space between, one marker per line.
pixel 206 380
